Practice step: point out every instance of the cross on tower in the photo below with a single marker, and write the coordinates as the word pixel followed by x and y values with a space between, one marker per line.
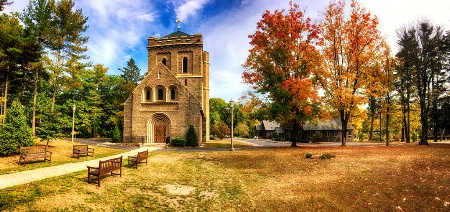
pixel 178 21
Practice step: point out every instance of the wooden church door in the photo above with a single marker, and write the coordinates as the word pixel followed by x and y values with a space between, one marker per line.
pixel 160 133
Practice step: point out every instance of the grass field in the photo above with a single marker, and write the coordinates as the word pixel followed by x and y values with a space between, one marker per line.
pixel 61 154
pixel 359 178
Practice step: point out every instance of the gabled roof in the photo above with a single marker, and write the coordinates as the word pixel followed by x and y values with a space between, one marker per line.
pixel 270 125
pixel 333 124
pixel 177 34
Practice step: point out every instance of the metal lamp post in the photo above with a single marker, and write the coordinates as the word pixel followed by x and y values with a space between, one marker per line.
pixel 231 136
pixel 73 121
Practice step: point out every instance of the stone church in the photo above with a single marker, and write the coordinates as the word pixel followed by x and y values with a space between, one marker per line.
pixel 174 93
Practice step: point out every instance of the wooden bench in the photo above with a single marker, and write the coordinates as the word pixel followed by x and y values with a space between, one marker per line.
pixel 33 153
pixel 139 158
pixel 105 167
pixel 82 149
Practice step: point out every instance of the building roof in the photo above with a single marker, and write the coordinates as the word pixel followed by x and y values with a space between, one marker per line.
pixel 177 34
pixel 333 124
pixel 270 125
pixel 259 127
pixel 280 130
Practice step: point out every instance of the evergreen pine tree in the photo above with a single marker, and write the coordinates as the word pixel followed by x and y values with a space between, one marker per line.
pixel 191 137
pixel 15 133
pixel 116 135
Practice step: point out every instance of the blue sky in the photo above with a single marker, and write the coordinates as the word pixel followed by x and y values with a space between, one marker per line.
pixel 118 29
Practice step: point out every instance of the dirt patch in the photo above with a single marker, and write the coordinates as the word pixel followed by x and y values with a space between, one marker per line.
pixel 208 195
pixel 64 201
pixel 178 189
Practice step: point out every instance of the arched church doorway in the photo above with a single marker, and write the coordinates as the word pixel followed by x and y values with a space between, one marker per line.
pixel 158 128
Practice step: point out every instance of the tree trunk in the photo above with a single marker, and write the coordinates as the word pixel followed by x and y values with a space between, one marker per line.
pixel 387 123
pixel 294 133
pixel 408 123
pixel 424 122
pixel 435 117
pixel 372 119
pixel 33 122
pixel 435 132
pixel 53 99
pixel 403 127
pixel 6 95
pixel 344 121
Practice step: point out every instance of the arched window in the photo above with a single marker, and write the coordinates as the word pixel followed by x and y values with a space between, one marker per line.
pixel 161 94
pixel 147 94
pixel 185 65
pixel 164 61
pixel 173 93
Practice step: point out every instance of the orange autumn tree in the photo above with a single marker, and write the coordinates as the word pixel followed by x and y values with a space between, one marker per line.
pixel 279 66
pixel 350 49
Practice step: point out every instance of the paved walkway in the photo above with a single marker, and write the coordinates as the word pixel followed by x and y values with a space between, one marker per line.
pixel 18 178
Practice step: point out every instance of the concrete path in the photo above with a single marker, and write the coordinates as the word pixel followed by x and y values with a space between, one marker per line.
pixel 19 178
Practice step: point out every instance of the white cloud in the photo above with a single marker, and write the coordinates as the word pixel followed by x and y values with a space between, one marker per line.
pixel 117 28
pixel 147 17
pixel 189 8
pixel 104 51
pixel 394 14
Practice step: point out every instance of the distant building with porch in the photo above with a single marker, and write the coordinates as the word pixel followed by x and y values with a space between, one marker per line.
pixel 323 131
pixel 267 128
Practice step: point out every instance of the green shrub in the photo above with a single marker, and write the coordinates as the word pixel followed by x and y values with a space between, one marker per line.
pixel 361 136
pixel 191 137
pixel 116 135
pixel 375 138
pixel 15 133
pixel 276 136
pixel 309 155
pixel 414 136
pixel 327 156
pixel 178 142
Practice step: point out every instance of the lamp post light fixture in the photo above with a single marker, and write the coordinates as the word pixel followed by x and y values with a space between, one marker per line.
pixel 73 121
pixel 231 136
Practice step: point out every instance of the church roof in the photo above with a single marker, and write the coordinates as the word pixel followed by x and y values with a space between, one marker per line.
pixel 177 34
